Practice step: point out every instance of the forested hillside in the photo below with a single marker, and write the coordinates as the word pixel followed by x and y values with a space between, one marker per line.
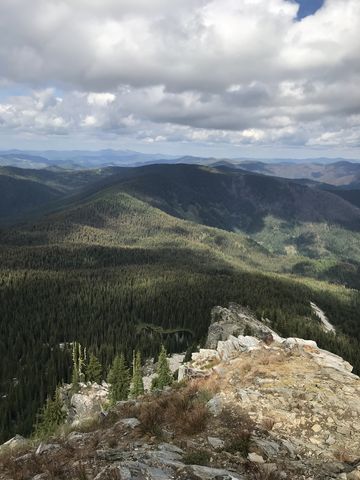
pixel 111 269
pixel 27 191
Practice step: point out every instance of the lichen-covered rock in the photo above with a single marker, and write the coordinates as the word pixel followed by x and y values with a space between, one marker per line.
pixel 15 442
pixel 130 422
pixel 216 442
pixel 234 321
pixel 85 404
pixel 199 472
pixel 215 405
pixel 46 447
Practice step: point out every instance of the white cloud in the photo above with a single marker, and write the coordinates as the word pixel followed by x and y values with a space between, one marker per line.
pixel 101 99
pixel 231 71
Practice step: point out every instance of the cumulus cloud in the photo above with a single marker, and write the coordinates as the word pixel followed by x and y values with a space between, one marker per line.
pixel 231 71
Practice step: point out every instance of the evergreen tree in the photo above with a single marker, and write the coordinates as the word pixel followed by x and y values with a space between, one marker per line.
pixel 81 362
pixel 119 379
pixel 164 376
pixel 78 357
pixel 93 369
pixel 51 416
pixel 137 385
pixel 75 369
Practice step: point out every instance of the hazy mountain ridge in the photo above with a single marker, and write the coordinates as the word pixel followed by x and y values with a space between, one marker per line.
pixel 340 173
pixel 80 159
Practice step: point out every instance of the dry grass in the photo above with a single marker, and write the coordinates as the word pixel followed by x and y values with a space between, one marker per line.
pixel 246 367
pixel 239 427
pixel 195 420
pixel 183 411
pixel 210 384
pixel 343 455
pixel 80 472
pixel 88 425
pixel 268 424
pixel 180 411
pixel 264 357
pixel 55 464
pixel 150 415
pixel 258 472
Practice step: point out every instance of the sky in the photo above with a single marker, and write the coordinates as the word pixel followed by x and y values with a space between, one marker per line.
pixel 254 78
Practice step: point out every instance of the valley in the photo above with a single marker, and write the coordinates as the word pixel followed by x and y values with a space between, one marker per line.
pixel 120 255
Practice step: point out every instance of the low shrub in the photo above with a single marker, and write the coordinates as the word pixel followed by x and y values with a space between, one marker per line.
pixel 150 418
pixel 268 423
pixel 183 410
pixel 240 443
pixel 194 420
pixel 197 457
pixel 239 427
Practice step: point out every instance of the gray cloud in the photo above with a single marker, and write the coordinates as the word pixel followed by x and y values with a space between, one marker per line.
pixel 231 71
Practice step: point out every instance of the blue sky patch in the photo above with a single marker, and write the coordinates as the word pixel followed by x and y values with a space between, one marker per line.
pixel 308 7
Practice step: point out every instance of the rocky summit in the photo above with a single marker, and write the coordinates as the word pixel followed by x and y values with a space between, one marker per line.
pixel 247 407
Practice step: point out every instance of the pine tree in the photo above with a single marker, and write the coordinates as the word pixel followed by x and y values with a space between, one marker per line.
pixel 164 376
pixel 119 379
pixel 78 357
pixel 51 416
pixel 93 369
pixel 137 385
pixel 81 360
pixel 75 370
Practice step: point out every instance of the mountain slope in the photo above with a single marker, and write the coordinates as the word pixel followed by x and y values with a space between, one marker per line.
pixel 352 196
pixel 107 261
pixel 234 199
pixel 19 196
pixel 25 191
pixel 342 173
pixel 285 217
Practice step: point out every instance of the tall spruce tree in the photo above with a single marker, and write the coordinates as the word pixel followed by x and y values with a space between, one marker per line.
pixel 119 379
pixel 137 385
pixel 164 376
pixel 93 369
pixel 51 416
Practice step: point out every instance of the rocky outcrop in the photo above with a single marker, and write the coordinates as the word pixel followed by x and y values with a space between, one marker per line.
pixel 85 404
pixel 307 397
pixel 275 408
pixel 324 321
pixel 234 321
pixel 14 443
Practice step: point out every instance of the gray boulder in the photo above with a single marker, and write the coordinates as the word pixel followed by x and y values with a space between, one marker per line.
pixel 15 442
pixel 207 473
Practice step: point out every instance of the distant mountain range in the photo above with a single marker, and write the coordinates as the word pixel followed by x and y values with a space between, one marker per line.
pixel 78 159
pixel 341 173
pixel 84 159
